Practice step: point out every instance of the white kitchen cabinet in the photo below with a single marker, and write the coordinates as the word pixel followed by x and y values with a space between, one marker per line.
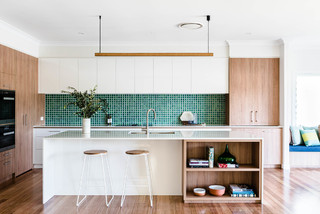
pixel 143 78
pixel 209 75
pixel 163 75
pixel 139 75
pixel 125 75
pixel 87 73
pixel 68 73
pixel 49 76
pixel 181 75
pixel 106 80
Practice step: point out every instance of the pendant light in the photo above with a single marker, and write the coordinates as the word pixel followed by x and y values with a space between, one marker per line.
pixel 183 26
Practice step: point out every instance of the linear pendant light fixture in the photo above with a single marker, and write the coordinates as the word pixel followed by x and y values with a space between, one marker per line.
pixel 183 25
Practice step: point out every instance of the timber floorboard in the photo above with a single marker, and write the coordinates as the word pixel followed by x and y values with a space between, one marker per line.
pixel 296 191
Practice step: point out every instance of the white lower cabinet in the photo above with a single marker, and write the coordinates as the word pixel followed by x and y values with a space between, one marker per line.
pixel 38 135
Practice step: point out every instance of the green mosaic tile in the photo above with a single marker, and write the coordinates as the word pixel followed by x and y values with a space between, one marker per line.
pixel 129 109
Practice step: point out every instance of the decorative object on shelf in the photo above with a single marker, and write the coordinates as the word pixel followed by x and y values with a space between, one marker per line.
pixel 210 152
pixel 199 191
pixel 198 163
pixel 226 157
pixel 88 105
pixel 241 190
pixel 187 117
pixel 217 190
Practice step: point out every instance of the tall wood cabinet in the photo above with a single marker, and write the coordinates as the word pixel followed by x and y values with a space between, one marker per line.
pixel 254 91
pixel 19 72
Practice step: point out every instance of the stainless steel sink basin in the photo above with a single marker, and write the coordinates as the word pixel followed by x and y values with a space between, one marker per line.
pixel 152 132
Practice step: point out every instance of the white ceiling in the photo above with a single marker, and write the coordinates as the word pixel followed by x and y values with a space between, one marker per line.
pixel 156 21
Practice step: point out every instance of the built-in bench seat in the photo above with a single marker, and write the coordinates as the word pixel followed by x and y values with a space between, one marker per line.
pixel 302 148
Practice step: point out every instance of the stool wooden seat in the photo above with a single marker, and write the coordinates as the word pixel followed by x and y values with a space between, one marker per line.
pixel 95 152
pixel 137 152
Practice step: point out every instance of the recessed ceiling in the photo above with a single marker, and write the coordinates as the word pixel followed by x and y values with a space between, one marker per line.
pixel 156 21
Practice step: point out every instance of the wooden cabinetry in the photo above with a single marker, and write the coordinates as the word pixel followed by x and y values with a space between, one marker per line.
pixel 7 71
pixel 272 144
pixel 27 105
pixel 249 156
pixel 6 165
pixel 254 91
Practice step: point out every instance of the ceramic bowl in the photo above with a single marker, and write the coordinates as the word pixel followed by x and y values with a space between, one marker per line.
pixel 199 191
pixel 217 190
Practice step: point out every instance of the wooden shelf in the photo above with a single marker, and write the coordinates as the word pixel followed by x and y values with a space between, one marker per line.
pixel 153 54
pixel 243 167
pixel 191 198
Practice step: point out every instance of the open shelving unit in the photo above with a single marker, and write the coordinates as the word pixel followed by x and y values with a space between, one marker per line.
pixel 248 153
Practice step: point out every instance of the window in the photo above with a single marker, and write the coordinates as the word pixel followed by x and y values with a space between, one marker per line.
pixel 308 100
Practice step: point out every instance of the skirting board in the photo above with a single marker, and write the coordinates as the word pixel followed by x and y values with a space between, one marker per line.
pixel 305 159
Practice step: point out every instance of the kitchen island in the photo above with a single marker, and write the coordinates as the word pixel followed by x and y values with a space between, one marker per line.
pixel 63 159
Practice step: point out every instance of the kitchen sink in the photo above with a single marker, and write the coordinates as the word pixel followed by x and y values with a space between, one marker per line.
pixel 152 132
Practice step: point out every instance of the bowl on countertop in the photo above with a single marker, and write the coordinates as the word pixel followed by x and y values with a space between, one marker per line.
pixel 199 191
pixel 217 190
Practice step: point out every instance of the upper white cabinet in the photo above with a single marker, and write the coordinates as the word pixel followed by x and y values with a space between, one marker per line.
pixel 209 75
pixel 87 73
pixel 49 76
pixel 181 75
pixel 140 75
pixel 163 75
pixel 68 73
pixel 125 75
pixel 106 80
pixel 143 78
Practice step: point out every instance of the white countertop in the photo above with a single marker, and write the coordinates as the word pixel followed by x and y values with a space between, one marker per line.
pixel 178 135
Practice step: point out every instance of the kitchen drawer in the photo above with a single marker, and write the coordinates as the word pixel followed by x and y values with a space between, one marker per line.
pixel 47 132
pixel 6 169
pixel 6 155
pixel 38 142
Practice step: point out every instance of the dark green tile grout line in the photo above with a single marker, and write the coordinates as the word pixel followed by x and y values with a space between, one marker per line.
pixel 130 109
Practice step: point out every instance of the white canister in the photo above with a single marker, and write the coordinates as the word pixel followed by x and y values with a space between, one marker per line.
pixel 86 125
pixel 211 157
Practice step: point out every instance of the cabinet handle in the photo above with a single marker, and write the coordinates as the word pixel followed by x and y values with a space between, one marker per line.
pixel 6 154
pixel 23 120
pixel 256 116
pixel 251 113
pixel 54 131
pixel 7 163
pixel 26 120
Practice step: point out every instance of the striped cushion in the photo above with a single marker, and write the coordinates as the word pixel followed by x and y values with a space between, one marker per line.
pixel 310 137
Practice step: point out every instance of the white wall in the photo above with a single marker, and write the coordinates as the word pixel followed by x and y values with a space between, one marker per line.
pixel 18 40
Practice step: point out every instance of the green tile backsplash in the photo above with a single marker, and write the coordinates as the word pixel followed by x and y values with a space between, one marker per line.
pixel 129 109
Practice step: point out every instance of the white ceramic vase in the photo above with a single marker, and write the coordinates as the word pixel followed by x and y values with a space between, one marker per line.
pixel 86 126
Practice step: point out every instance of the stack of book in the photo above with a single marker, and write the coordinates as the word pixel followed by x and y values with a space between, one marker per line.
pixel 198 163
pixel 241 190
pixel 228 165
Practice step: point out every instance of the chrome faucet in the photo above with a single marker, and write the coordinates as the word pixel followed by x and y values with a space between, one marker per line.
pixel 154 114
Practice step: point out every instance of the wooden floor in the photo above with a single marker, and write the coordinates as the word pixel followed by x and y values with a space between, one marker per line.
pixel 297 191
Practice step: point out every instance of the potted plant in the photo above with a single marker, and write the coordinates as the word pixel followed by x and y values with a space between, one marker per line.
pixel 88 105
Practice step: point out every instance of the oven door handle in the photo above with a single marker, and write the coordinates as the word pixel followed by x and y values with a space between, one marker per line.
pixel 8 133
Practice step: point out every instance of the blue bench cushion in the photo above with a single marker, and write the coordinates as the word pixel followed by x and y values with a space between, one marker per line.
pixel 300 148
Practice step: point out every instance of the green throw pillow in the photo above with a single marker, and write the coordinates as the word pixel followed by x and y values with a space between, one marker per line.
pixel 296 138
pixel 311 128
pixel 310 137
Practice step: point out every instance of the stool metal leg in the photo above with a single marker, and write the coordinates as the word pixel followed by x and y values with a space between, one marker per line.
pixel 104 180
pixel 110 180
pixel 149 179
pixel 81 182
pixel 123 197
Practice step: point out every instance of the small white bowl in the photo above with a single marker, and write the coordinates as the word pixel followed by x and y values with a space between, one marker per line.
pixel 199 191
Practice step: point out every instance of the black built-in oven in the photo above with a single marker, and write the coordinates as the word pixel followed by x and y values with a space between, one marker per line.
pixel 7 120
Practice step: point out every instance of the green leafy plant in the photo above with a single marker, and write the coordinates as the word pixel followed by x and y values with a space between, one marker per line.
pixel 86 101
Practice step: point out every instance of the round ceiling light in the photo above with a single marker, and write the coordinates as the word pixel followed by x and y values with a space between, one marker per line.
pixel 191 25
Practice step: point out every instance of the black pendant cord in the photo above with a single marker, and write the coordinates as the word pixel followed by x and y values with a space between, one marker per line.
pixel 208 19
pixel 99 34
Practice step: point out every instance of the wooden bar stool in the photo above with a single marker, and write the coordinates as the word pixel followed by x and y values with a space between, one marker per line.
pixel 95 153
pixel 138 153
